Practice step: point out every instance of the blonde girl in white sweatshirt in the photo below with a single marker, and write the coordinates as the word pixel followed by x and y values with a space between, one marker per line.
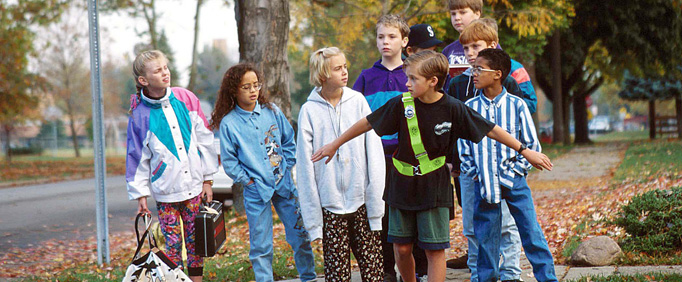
pixel 341 202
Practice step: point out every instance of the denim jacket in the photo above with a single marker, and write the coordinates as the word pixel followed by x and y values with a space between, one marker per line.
pixel 259 146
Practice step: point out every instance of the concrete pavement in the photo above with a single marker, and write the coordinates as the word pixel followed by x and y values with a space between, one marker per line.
pixel 564 273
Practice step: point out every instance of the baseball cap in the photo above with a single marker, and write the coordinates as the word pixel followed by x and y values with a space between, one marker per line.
pixel 422 36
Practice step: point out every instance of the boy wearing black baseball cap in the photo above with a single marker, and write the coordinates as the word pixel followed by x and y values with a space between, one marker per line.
pixel 422 37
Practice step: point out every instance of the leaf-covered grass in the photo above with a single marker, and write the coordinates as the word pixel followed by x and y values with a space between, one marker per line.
pixel 230 264
pixel 646 277
pixel 644 259
pixel 41 169
pixel 645 160
pixel 574 241
pixel 587 211
pixel 647 165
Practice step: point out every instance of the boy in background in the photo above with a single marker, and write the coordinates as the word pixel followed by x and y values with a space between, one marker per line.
pixel 499 173
pixel 463 13
pixel 517 72
pixel 422 37
pixel 383 81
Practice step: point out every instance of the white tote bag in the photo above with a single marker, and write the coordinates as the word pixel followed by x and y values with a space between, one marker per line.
pixel 154 266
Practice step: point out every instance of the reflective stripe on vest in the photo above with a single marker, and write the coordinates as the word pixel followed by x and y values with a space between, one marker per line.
pixel 426 165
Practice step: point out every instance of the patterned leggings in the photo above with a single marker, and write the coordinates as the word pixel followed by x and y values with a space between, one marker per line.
pixel 169 218
pixel 343 233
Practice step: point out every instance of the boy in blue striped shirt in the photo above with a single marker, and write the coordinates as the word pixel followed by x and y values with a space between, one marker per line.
pixel 500 172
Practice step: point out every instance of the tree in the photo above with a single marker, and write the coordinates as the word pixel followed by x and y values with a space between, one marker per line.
pixel 193 65
pixel 635 35
pixel 146 9
pixel 350 24
pixel 66 72
pixel 138 9
pixel 524 26
pixel 263 28
pixel 165 47
pixel 16 45
pixel 212 63
pixel 652 89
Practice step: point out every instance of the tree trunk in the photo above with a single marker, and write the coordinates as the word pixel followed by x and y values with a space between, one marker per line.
pixel 74 135
pixel 580 118
pixel 149 12
pixel 678 115
pixel 263 28
pixel 557 101
pixel 566 104
pixel 652 119
pixel 193 66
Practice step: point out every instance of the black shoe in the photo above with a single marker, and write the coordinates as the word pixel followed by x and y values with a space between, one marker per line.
pixel 390 278
pixel 458 263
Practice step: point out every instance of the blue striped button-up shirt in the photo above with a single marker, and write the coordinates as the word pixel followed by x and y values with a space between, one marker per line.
pixel 491 162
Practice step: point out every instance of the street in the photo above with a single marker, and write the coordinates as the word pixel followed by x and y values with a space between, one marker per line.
pixel 62 211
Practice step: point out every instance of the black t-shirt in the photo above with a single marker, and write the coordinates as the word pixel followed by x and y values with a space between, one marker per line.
pixel 440 124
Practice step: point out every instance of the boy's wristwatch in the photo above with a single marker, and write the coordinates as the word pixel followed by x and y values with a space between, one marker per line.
pixel 523 147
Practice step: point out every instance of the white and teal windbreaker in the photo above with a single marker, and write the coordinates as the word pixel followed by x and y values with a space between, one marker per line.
pixel 170 148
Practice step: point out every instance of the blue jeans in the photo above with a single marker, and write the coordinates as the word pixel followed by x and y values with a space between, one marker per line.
pixel 510 246
pixel 259 217
pixel 488 224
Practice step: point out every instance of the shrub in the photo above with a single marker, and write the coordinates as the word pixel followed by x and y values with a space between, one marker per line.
pixel 653 222
pixel 33 150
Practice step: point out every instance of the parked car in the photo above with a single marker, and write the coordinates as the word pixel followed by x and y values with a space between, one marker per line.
pixel 599 124
pixel 222 184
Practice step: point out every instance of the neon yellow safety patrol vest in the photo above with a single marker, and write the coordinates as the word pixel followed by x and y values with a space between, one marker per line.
pixel 425 165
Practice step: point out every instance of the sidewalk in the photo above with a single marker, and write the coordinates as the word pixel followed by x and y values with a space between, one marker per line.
pixel 564 273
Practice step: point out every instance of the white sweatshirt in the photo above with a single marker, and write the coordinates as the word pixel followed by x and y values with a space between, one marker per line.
pixel 355 176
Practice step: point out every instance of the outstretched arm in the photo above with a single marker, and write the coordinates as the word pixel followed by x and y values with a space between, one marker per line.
pixel 537 159
pixel 330 149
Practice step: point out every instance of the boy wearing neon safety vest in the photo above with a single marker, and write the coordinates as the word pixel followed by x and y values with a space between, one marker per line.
pixel 429 124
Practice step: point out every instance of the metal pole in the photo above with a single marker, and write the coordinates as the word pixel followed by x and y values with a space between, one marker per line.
pixel 97 110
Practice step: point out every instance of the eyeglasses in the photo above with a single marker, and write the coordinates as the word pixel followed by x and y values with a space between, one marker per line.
pixel 477 70
pixel 256 86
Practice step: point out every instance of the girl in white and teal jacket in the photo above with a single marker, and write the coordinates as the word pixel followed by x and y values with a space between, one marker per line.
pixel 170 156
pixel 341 201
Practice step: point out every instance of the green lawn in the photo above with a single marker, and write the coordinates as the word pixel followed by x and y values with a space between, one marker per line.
pixel 622 136
pixel 647 159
